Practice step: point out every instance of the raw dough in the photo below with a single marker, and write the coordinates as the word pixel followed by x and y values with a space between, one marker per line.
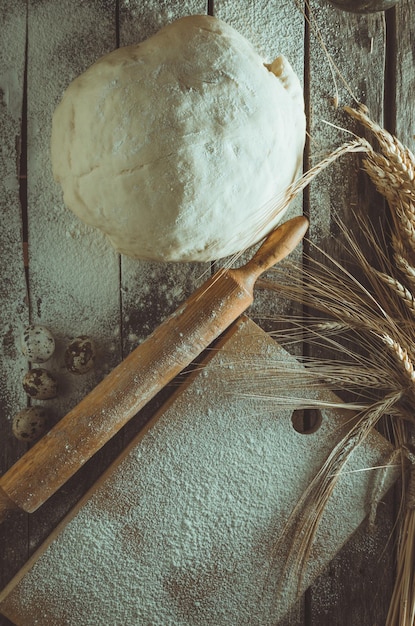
pixel 175 147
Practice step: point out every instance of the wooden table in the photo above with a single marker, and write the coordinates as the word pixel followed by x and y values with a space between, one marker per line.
pixel 57 272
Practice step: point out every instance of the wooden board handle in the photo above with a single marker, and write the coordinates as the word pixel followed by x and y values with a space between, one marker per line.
pixel 170 348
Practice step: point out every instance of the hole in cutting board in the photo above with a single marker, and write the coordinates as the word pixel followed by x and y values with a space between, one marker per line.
pixel 306 421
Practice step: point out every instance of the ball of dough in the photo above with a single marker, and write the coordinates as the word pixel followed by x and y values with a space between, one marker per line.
pixel 80 355
pixel 176 147
pixel 38 343
pixel 40 384
pixel 29 423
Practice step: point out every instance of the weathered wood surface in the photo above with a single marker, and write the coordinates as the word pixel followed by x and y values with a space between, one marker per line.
pixel 356 587
pixel 46 43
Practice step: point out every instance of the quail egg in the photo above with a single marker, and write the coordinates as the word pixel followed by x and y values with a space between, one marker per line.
pixel 40 384
pixel 38 343
pixel 29 423
pixel 80 355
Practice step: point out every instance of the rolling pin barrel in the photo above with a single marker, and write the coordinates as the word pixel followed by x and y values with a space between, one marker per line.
pixel 137 379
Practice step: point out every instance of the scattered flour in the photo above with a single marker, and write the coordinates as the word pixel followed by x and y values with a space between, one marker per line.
pixel 13 296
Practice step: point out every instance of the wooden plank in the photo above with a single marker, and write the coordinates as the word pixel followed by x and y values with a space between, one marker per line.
pixel 357 585
pixel 140 19
pixel 404 66
pixel 274 28
pixel 150 290
pixel 355 44
pixel 14 314
pixel 73 271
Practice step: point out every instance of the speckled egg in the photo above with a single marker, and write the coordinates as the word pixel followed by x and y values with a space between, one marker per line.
pixel 40 384
pixel 38 343
pixel 80 355
pixel 29 423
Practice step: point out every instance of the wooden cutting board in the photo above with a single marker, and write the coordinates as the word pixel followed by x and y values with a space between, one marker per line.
pixel 181 529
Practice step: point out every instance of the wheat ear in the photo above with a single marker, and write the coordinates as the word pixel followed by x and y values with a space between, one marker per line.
pixel 402 292
pixel 407 270
pixel 402 356
pixel 393 174
pixel 401 158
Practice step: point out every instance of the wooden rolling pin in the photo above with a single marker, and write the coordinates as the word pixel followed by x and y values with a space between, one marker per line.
pixel 118 397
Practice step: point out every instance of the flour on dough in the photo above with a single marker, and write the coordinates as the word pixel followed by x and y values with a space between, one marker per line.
pixel 176 147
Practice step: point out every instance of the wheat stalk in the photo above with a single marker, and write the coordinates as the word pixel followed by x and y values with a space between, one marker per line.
pixel 306 517
pixel 277 204
pixel 379 366
pixel 392 172
pixel 402 606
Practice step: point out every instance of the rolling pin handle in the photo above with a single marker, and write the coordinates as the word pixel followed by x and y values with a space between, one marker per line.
pixel 277 245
